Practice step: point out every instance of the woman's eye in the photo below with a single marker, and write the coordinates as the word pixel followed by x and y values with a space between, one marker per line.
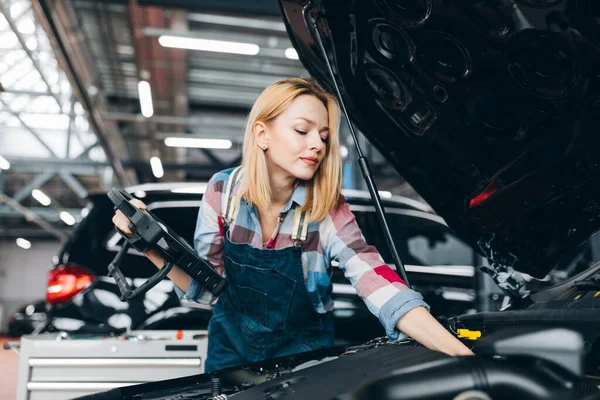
pixel 324 140
pixel 300 132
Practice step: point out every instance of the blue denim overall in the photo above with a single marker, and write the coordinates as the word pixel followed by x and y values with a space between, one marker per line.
pixel 265 311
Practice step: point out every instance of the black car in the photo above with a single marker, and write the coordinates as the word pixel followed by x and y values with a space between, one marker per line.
pixel 490 109
pixel 83 299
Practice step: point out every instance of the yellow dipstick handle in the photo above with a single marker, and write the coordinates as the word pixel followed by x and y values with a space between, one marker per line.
pixel 468 334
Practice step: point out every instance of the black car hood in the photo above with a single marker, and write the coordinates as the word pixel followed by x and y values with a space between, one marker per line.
pixel 490 109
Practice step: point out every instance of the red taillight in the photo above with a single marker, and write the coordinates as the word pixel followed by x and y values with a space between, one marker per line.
pixel 65 281
pixel 483 196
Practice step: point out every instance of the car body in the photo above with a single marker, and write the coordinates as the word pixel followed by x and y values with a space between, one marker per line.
pixel 439 264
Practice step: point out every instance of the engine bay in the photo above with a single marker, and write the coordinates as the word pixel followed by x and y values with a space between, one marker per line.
pixel 542 363
pixel 547 350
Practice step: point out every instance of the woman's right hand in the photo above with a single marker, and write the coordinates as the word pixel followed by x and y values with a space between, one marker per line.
pixel 181 278
pixel 122 222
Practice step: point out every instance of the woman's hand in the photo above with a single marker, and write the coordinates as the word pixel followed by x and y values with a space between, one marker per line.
pixel 122 222
pixel 419 324
pixel 177 275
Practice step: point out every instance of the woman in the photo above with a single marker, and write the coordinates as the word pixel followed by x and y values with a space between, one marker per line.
pixel 275 225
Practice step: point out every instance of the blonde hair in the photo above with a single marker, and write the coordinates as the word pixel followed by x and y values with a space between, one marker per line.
pixel 323 190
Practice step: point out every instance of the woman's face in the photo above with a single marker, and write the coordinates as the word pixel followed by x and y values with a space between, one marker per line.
pixel 297 138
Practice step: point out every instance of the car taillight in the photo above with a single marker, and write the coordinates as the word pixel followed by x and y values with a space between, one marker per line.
pixel 65 281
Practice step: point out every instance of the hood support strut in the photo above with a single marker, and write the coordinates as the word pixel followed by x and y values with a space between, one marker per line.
pixel 362 161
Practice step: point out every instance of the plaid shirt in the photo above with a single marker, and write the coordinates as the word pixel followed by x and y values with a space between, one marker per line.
pixel 336 238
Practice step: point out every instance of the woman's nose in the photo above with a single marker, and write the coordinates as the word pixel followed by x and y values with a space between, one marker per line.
pixel 316 142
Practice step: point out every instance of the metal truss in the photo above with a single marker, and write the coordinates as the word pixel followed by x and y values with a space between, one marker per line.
pixel 35 92
pixel 12 23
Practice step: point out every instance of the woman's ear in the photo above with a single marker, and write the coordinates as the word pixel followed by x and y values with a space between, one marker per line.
pixel 261 134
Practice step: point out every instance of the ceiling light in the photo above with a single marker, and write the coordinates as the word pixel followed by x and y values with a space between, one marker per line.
pixel 385 194
pixel 198 143
pixel 67 218
pixel 41 197
pixel 219 46
pixel 23 243
pixel 145 94
pixel 291 53
pixel 157 168
pixel 4 164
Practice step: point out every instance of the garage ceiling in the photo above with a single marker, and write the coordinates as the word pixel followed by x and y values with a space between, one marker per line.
pixel 70 116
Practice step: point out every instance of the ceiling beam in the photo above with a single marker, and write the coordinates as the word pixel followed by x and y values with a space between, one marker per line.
pixel 32 93
pixel 35 167
pixel 49 214
pixel 205 119
pixel 22 164
pixel 87 150
pixel 258 23
pixel 65 36
pixel 28 232
pixel 258 7
pixel 73 184
pixel 37 183
pixel 32 217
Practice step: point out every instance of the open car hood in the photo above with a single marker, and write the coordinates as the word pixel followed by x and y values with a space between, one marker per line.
pixel 489 108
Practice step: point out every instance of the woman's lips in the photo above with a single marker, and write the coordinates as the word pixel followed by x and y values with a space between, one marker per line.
pixel 310 160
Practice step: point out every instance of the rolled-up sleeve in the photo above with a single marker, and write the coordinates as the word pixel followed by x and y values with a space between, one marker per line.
pixel 208 239
pixel 380 287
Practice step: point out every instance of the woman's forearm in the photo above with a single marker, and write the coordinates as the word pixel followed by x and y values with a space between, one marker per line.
pixel 419 324
pixel 176 274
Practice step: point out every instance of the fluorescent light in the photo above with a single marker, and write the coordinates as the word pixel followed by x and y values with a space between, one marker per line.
pixel 145 94
pixel 23 243
pixel 67 218
pixel 291 53
pixel 157 168
pixel 219 46
pixel 41 197
pixel 4 164
pixel 200 189
pixel 198 143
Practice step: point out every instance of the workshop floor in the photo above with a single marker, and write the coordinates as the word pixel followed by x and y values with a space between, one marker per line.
pixel 9 367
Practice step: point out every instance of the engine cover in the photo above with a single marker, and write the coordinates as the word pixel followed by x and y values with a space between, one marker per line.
pixel 406 372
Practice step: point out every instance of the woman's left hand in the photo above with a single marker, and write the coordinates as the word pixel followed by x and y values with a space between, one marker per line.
pixel 419 324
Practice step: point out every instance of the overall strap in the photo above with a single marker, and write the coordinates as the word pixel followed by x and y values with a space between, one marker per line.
pixel 230 208
pixel 300 227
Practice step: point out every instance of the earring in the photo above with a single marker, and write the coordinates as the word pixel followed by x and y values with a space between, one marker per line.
pixel 264 146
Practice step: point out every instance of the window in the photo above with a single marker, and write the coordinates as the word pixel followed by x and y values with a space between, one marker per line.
pixel 419 239
pixel 180 219
pixel 180 216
